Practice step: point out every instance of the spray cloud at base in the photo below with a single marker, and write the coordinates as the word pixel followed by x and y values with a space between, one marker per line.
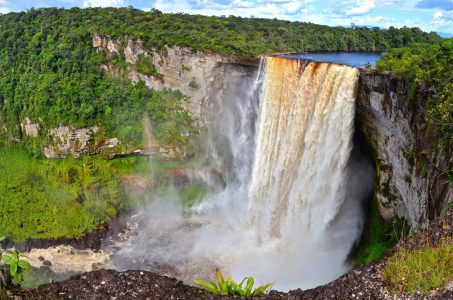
pixel 283 194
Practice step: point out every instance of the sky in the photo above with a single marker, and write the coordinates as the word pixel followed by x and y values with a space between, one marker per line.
pixel 429 15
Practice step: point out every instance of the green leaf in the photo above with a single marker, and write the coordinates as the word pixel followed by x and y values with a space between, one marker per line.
pixel 24 265
pixel 207 286
pixel 219 277
pixel 249 286
pixel 260 290
pixel 243 280
pixel 15 256
pixel 237 289
pixel 13 269
pixel 224 288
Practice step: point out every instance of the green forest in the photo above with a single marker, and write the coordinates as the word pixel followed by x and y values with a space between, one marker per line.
pixel 50 72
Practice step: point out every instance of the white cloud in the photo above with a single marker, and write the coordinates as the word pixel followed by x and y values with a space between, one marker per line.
pixel 376 19
pixel 443 20
pixel 269 9
pixel 103 3
pixel 361 8
pixel 293 7
pixel 3 8
pixel 244 4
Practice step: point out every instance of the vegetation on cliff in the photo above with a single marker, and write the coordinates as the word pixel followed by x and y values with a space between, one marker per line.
pixel 378 237
pixel 47 199
pixel 50 72
pixel 431 68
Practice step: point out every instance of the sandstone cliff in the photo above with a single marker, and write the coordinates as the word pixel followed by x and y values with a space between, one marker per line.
pixel 411 179
pixel 190 71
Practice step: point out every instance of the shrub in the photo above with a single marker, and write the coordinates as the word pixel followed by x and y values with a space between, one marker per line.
pixel 193 84
pixel 17 266
pixel 230 287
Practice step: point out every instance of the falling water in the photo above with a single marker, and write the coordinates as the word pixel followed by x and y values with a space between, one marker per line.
pixel 304 142
pixel 284 203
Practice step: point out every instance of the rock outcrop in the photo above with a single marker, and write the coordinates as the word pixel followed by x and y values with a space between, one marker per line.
pixel 65 140
pixel 410 164
pixel 411 167
pixel 31 129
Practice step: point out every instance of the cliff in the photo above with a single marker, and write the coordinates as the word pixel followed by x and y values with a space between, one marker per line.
pixel 410 163
pixel 192 72
pixel 200 76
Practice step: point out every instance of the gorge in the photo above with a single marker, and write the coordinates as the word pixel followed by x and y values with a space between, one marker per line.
pixel 289 199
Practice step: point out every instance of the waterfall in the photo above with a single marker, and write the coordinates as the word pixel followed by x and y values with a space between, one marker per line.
pixel 304 142
pixel 284 203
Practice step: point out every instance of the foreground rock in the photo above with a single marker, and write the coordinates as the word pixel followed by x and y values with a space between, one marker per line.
pixel 110 284
pixel 366 282
pixel 362 283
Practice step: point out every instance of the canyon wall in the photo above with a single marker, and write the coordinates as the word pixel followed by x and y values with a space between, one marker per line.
pixel 410 163
pixel 190 71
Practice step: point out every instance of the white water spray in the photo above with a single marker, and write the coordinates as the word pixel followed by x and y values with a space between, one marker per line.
pixel 279 208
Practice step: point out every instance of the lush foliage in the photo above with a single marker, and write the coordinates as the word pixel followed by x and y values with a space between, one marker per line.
pixel 422 270
pixel 42 198
pixel 378 236
pixel 47 199
pixel 230 287
pixel 430 67
pixel 50 72
pixel 17 266
pixel 244 36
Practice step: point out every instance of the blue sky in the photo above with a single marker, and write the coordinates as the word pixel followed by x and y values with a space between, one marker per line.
pixel 429 15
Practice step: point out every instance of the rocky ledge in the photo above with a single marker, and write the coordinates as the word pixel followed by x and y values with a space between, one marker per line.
pixel 365 282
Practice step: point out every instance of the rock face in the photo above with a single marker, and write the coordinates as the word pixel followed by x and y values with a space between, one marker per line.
pixel 66 139
pixel 410 182
pixel 31 129
pixel 190 71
